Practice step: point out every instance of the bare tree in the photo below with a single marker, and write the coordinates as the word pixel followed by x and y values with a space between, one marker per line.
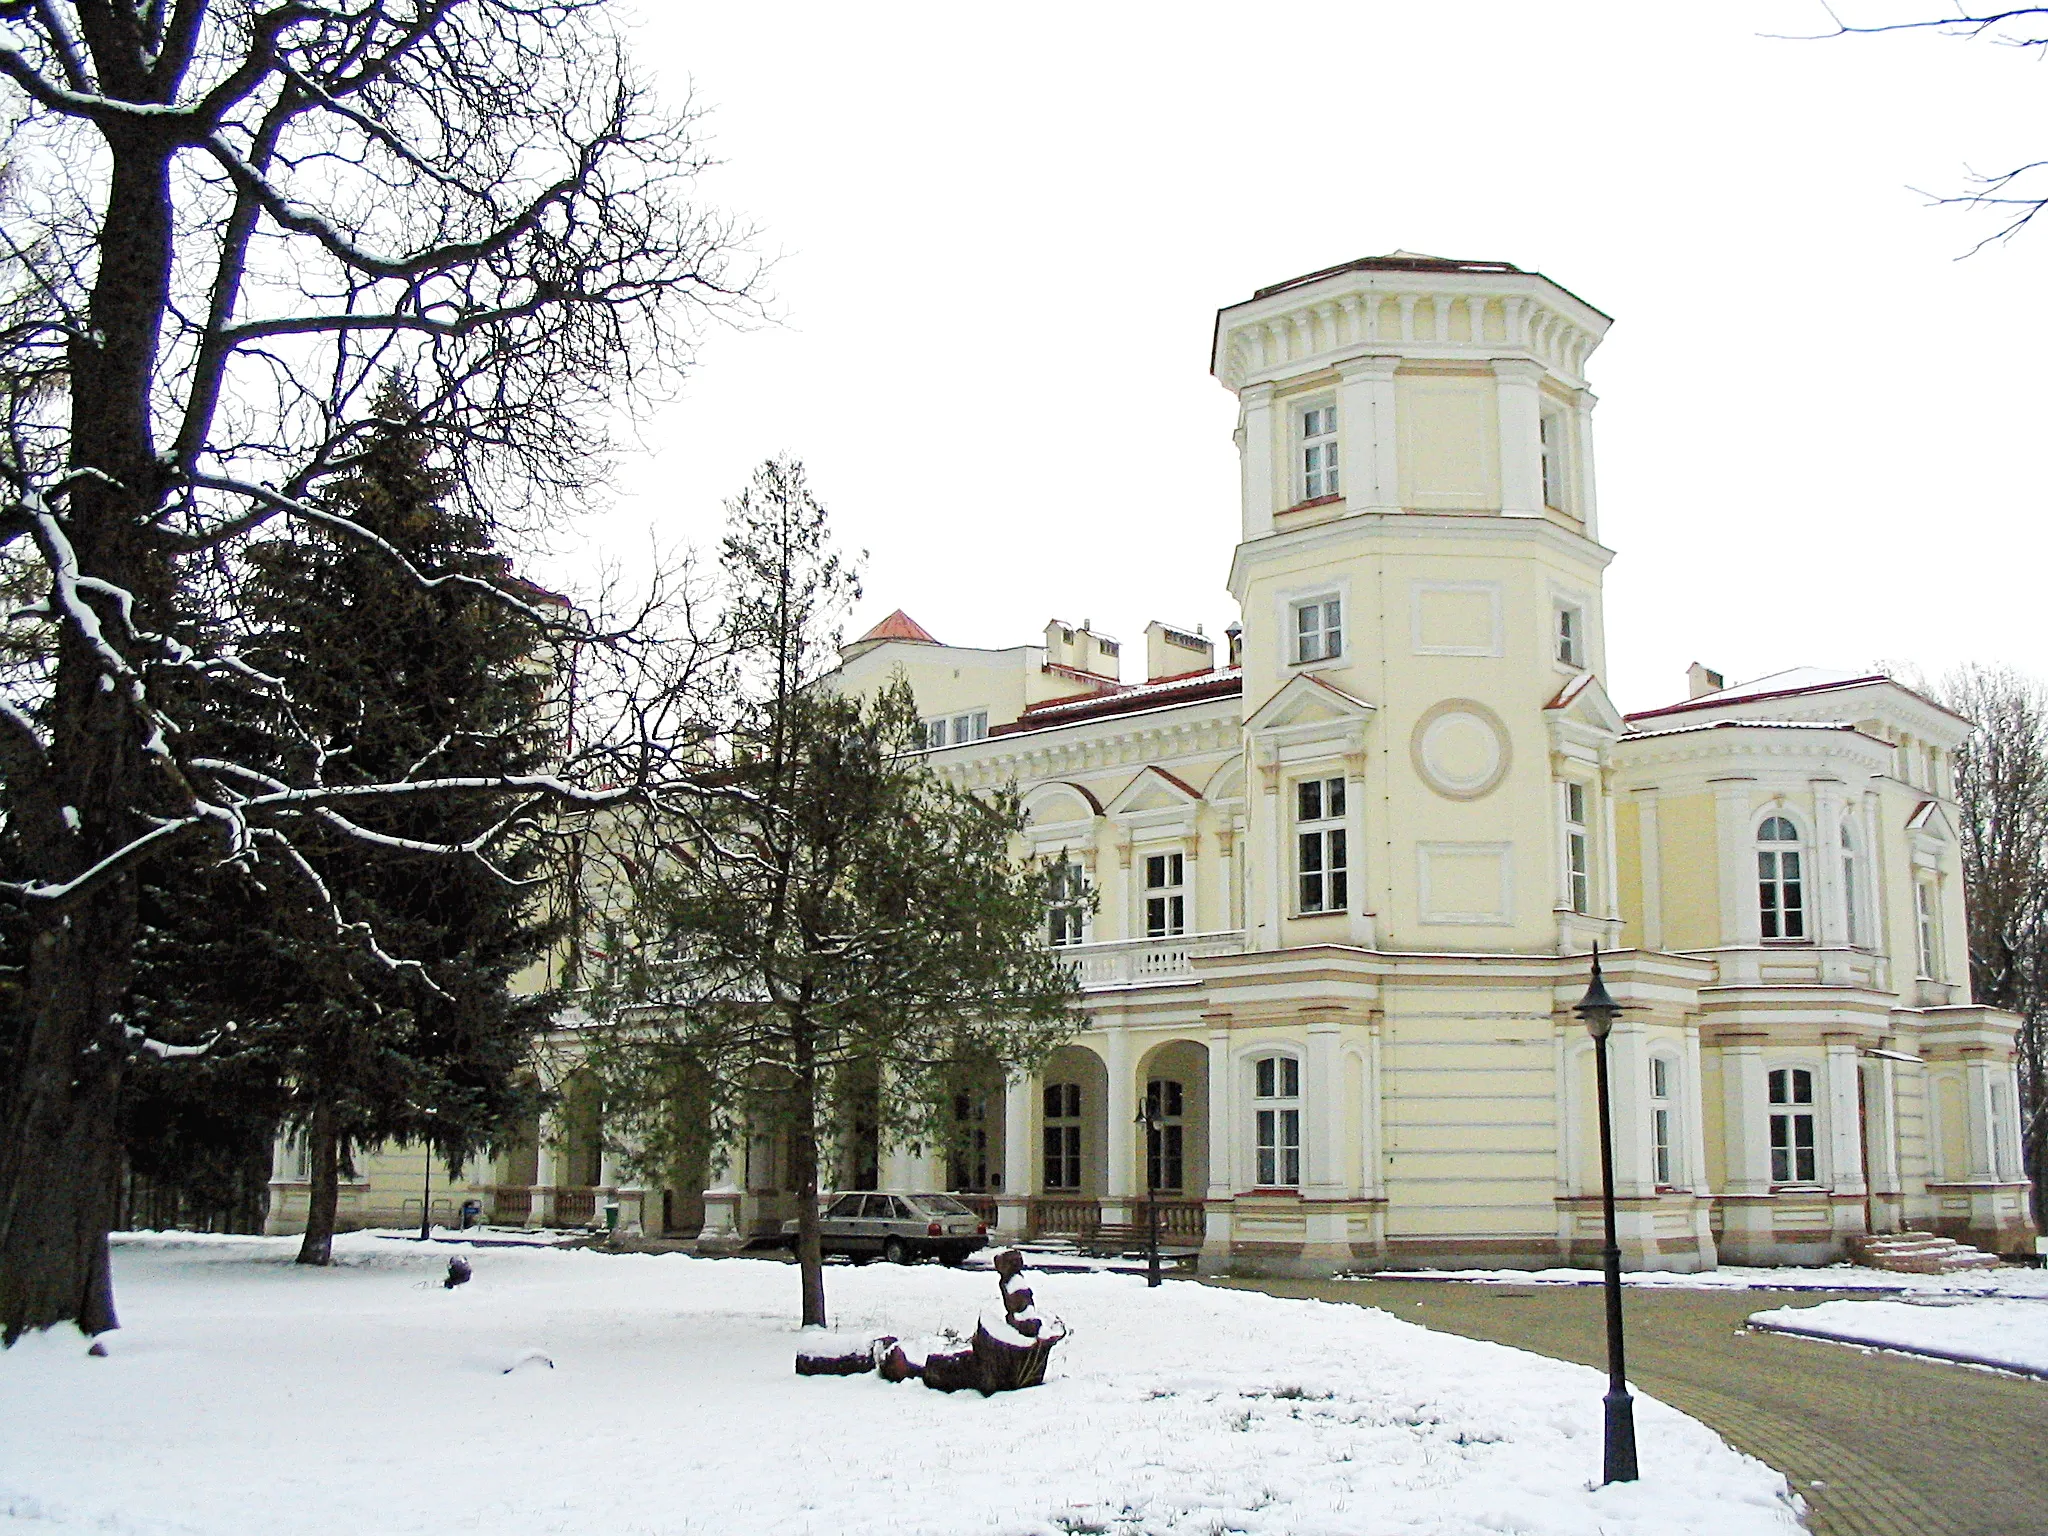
pixel 2017 194
pixel 226 223
pixel 2002 788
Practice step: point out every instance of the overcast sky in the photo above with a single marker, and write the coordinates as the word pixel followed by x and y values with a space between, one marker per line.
pixel 1003 234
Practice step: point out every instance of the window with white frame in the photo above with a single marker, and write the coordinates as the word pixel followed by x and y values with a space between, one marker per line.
pixel 1552 434
pixel 1929 930
pixel 953 730
pixel 1166 1136
pixel 1066 902
pixel 1663 1119
pixel 1852 918
pixel 1780 881
pixel 1793 1158
pixel 1578 862
pixel 1318 424
pixel 1276 1122
pixel 1062 1135
pixel 1318 629
pixel 1322 867
pixel 1166 907
pixel 1570 648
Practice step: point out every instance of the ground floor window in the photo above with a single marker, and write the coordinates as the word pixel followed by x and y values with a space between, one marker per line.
pixel 1166 1136
pixel 1793 1159
pixel 1276 1125
pixel 1063 1136
pixel 1662 1071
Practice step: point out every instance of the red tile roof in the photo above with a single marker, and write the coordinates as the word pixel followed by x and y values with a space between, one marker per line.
pixel 1126 700
pixel 900 626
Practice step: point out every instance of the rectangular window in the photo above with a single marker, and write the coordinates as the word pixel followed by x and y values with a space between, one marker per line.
pixel 1067 903
pixel 1792 1143
pixel 934 734
pixel 1276 1086
pixel 1318 452
pixel 1550 430
pixel 1321 857
pixel 1930 946
pixel 1578 863
pixel 1660 1118
pixel 1062 1135
pixel 1571 635
pixel 1781 894
pixel 970 727
pixel 1165 895
pixel 1166 1140
pixel 1318 630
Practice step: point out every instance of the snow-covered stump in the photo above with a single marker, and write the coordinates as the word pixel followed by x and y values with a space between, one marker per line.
pixel 840 1354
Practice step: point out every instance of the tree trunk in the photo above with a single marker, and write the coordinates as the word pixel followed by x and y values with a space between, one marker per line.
pixel 803 1167
pixel 323 1199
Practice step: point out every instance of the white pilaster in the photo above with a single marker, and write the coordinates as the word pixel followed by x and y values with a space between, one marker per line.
pixel 1745 1134
pixel 1123 1183
pixel 1257 433
pixel 1020 1167
pixel 1367 430
pixel 1650 862
pixel 1845 1139
pixel 1520 400
pixel 1322 1107
pixel 1977 1076
pixel 1223 1128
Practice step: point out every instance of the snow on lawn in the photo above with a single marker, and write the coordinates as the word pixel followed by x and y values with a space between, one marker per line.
pixel 2009 1280
pixel 247 1395
pixel 2009 1332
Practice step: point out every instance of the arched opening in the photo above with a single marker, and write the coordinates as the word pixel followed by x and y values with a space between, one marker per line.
pixel 1173 1154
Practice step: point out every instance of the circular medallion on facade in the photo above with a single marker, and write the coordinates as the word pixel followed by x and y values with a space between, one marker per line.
pixel 1460 748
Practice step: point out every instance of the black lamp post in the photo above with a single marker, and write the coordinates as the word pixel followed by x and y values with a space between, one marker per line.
pixel 427 1189
pixel 1618 1463
pixel 1148 1117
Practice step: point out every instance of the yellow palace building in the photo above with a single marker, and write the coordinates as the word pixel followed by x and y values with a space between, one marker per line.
pixel 1331 892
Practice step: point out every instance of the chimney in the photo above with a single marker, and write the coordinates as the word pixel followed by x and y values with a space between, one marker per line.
pixel 1171 652
pixel 1235 635
pixel 1703 681
pixel 1080 647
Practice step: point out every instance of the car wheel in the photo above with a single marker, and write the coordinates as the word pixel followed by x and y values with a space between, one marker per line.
pixel 894 1251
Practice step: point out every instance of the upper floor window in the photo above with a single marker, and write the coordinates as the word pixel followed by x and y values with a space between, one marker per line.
pixel 1318 629
pixel 1276 1122
pixel 1321 863
pixel 1578 863
pixel 1793 1160
pixel 1066 902
pixel 1062 1135
pixel 1550 429
pixel 1781 886
pixel 1166 911
pixel 1166 1138
pixel 1318 451
pixel 952 730
pixel 1663 1072
pixel 1928 929
pixel 1571 635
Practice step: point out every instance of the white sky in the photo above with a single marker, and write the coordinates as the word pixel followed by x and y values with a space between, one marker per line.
pixel 1004 233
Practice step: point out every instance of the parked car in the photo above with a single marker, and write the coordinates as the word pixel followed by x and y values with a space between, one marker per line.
pixel 900 1228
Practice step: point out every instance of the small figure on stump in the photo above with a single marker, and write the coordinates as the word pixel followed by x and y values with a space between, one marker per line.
pixel 458 1274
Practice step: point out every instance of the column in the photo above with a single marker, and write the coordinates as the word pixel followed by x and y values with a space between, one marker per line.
pixel 1363 930
pixel 1225 908
pixel 1326 1235
pixel 725 1198
pixel 1367 430
pixel 1582 472
pixel 1223 1135
pixel 547 1173
pixel 1845 1139
pixel 1255 458
pixel 1122 1182
pixel 1694 1110
pixel 1520 401
pixel 1737 874
pixel 1020 1167
pixel 1747 1235
pixel 1609 870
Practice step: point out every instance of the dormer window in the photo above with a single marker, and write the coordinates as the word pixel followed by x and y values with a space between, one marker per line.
pixel 1318 451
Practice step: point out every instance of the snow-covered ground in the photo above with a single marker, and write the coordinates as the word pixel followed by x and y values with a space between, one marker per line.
pixel 2009 1280
pixel 248 1395
pixel 2011 1331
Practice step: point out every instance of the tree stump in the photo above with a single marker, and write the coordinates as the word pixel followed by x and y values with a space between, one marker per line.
pixel 841 1354
pixel 1009 1349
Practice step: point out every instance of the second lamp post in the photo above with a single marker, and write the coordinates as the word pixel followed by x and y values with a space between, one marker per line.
pixel 1618 1462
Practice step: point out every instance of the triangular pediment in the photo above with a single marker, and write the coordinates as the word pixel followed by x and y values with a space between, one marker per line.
pixel 1584 700
pixel 1154 789
pixel 1308 701
pixel 1931 821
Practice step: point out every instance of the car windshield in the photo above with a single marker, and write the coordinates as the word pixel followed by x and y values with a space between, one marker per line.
pixel 944 1205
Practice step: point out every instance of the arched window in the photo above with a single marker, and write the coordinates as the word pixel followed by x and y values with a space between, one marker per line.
pixel 1062 1135
pixel 1166 1140
pixel 1780 882
pixel 1855 925
pixel 1793 1158
pixel 1664 1120
pixel 1276 1122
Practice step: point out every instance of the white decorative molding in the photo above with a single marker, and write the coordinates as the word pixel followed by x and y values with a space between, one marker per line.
pixel 1486 592
pixel 1465 884
pixel 1460 749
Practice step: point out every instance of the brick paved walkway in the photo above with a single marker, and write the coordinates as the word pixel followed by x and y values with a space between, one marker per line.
pixel 1878 1444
